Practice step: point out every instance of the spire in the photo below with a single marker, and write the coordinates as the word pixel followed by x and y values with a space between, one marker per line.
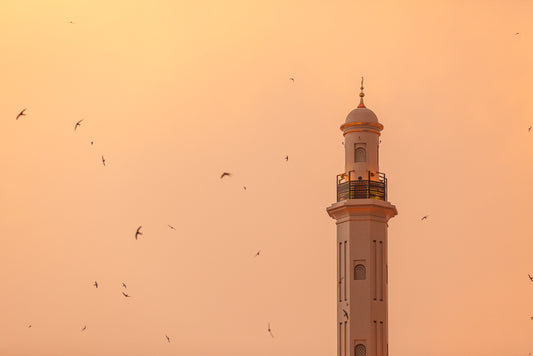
pixel 362 95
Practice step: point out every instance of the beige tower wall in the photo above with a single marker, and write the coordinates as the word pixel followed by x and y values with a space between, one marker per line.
pixel 362 240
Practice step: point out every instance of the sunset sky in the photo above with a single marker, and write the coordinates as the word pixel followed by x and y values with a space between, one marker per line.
pixel 173 93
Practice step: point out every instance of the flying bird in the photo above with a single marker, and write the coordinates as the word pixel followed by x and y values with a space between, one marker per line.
pixel 517 33
pixel 291 78
pixel 91 142
pixel 225 174
pixel 257 253
pixel 172 227
pixel 270 330
pixel 345 313
pixel 244 187
pixel 530 277
pixel 103 161
pixel 126 295
pixel 529 129
pixel 168 339
pixel 95 284
pixel 124 285
pixel 21 114
pixel 71 22
pixel 286 158
pixel 424 217
pixel 29 326
pixel 138 232
pixel 85 327
pixel 78 124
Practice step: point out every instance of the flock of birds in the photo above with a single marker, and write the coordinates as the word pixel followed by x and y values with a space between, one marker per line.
pixel 138 232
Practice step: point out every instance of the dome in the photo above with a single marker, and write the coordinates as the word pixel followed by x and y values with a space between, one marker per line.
pixel 361 114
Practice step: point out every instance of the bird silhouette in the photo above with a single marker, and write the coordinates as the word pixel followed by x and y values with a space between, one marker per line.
pixel 172 227
pixel 91 142
pixel 126 295
pixel 95 284
pixel 103 161
pixel 257 253
pixel 124 285
pixel 291 78
pixel 529 129
pixel 77 124
pixel 530 277
pixel 225 174
pixel 270 330
pixel 424 217
pixel 85 327
pixel 244 187
pixel 71 22
pixel 138 232
pixel 517 33
pixel 168 339
pixel 29 326
pixel 345 313
pixel 21 114
pixel 286 158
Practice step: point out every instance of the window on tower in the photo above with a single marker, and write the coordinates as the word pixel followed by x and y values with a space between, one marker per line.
pixel 360 350
pixel 360 152
pixel 359 272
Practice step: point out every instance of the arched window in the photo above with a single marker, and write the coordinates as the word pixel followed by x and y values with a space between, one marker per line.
pixel 360 154
pixel 359 272
pixel 360 350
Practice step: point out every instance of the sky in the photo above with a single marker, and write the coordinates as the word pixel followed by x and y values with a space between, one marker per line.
pixel 174 93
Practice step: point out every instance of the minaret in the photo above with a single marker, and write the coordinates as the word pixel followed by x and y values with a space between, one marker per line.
pixel 362 213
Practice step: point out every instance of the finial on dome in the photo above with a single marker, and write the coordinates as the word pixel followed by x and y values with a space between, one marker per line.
pixel 362 95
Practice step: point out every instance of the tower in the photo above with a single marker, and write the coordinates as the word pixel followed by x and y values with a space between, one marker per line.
pixel 362 213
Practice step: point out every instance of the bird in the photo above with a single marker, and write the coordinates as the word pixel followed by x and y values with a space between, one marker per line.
pixel 517 33
pixel 103 161
pixel 78 124
pixel 257 253
pixel 225 174
pixel 138 232
pixel 345 313
pixel 72 22
pixel 91 142
pixel 21 114
pixel 126 295
pixel 29 326
pixel 85 327
pixel 291 78
pixel 244 187
pixel 530 277
pixel 168 339
pixel 286 158
pixel 529 129
pixel 124 285
pixel 172 227
pixel 424 217
pixel 95 284
pixel 270 330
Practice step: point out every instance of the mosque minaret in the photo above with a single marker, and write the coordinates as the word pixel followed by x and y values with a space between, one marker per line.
pixel 362 213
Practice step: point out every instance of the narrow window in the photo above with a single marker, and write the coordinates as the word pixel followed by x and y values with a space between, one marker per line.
pixel 360 154
pixel 359 272
pixel 360 350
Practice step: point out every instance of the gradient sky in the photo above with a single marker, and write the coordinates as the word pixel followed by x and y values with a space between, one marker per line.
pixel 173 93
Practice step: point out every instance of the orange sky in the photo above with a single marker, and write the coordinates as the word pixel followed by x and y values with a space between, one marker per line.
pixel 174 93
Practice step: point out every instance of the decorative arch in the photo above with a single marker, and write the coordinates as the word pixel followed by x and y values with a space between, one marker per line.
pixel 359 272
pixel 360 350
pixel 360 154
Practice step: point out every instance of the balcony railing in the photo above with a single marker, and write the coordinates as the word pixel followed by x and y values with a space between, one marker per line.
pixel 351 187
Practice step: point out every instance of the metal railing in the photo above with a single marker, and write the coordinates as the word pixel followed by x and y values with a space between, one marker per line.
pixel 351 187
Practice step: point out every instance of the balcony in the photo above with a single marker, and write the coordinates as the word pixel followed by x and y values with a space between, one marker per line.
pixel 374 186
